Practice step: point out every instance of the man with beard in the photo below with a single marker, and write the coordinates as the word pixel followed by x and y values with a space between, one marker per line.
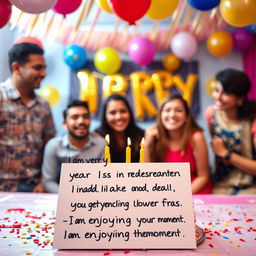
pixel 25 121
pixel 78 144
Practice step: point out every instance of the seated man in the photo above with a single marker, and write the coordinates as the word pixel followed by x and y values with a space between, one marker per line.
pixel 77 144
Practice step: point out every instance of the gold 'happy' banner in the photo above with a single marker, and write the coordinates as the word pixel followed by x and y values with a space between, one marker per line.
pixel 144 89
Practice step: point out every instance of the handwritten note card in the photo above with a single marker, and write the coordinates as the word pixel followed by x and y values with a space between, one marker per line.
pixel 117 206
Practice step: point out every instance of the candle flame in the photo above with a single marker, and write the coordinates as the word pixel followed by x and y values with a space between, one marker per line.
pixel 142 142
pixel 107 138
pixel 128 141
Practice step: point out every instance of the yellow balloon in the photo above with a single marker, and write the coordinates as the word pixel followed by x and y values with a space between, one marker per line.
pixel 51 94
pixel 220 43
pixel 107 60
pixel 171 62
pixel 161 9
pixel 210 85
pixel 104 5
pixel 238 13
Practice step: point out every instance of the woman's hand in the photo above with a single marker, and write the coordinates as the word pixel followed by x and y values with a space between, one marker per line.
pixel 151 135
pixel 218 146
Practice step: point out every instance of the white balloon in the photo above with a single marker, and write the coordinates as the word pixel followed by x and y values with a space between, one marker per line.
pixel 184 45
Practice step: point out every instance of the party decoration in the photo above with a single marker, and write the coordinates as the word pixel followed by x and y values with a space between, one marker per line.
pixel 65 7
pixel 162 80
pixel 141 50
pixel 184 45
pixel 161 9
pixel 204 5
pixel 75 56
pixel 186 88
pixel 242 38
pixel 104 5
pixel 107 60
pixel 114 84
pixel 210 85
pixel 5 12
pixel 251 28
pixel 29 39
pixel 51 94
pixel 88 89
pixel 33 6
pixel 140 84
pixel 171 62
pixel 220 44
pixel 130 10
pixel 238 13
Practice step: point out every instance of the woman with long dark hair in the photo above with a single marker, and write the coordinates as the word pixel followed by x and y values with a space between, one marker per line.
pixel 118 121
pixel 178 138
pixel 232 123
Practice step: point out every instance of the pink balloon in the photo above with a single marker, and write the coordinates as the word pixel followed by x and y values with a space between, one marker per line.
pixel 29 39
pixel 33 6
pixel 184 45
pixel 141 51
pixel 5 12
pixel 66 6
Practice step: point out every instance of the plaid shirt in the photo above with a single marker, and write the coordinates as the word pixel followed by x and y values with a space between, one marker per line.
pixel 24 130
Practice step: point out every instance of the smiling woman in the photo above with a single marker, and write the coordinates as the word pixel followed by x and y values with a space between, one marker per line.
pixel 178 138
pixel 117 120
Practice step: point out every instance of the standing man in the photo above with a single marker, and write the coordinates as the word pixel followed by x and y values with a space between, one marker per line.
pixel 25 121
pixel 79 143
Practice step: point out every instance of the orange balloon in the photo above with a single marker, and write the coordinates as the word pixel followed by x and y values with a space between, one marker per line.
pixel 238 13
pixel 220 44
pixel 171 62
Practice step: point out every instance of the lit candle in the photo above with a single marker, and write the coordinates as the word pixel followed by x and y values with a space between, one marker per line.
pixel 142 151
pixel 128 151
pixel 107 150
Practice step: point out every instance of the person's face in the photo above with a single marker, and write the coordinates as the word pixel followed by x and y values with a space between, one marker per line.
pixel 32 72
pixel 78 122
pixel 173 115
pixel 224 100
pixel 117 115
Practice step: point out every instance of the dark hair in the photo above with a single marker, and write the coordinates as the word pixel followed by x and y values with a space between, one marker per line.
pixel 189 127
pixel 237 82
pixel 75 103
pixel 20 53
pixel 132 130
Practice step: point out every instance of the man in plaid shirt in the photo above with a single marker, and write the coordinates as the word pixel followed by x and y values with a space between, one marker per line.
pixel 26 122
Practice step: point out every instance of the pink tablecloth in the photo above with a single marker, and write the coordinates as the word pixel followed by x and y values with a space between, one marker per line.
pixel 27 226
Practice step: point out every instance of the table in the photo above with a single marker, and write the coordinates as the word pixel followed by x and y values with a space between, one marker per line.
pixel 27 227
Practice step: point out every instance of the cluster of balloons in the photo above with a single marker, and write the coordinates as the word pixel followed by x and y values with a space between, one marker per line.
pixel 63 7
pixel 133 10
pixel 221 43
pixel 238 13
